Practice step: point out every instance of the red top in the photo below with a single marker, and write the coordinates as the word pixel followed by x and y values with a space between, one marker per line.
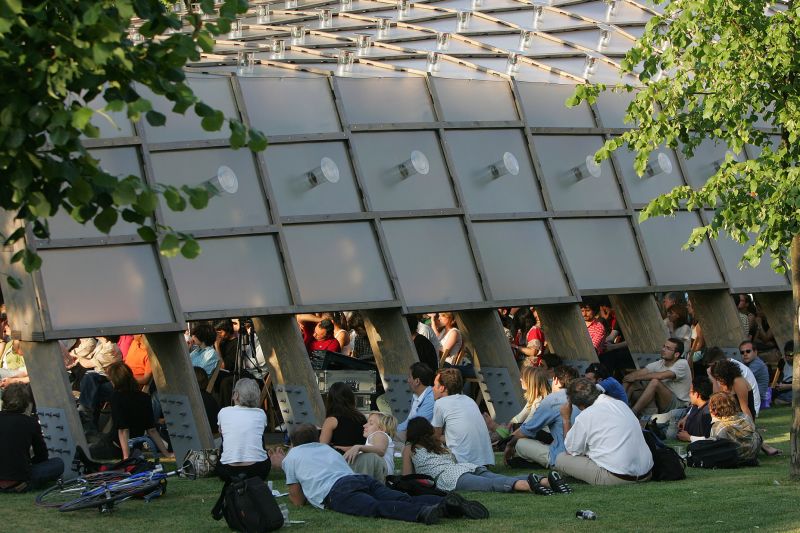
pixel 597 332
pixel 331 345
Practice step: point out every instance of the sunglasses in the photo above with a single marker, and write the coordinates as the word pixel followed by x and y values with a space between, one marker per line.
pixel 745 351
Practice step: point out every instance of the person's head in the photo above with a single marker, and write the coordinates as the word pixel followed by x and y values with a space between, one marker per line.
pixel 304 434
pixel 723 404
pixel 744 303
pixel 246 393
pixel 551 361
pixel 448 382
pixel 204 334
pixel 447 320
pixel 534 383
pixel 670 299
pixel 323 330
pixel 713 355
pixel 377 421
pixel 748 352
pixel 419 433
pixel 412 322
pixel 420 376
pixel 672 349
pixel 16 398
pixel 725 372
pixel 582 392
pixel 563 376
pixel 788 351
pixel 700 391
pixel 341 402
pixel 596 372
pixel 224 328
pixel 121 377
pixel 589 311
pixel 678 315
pixel 201 377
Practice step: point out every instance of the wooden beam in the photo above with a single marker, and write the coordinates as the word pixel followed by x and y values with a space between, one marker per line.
pixel 641 321
pixel 716 312
pixel 58 415
pixel 179 393
pixel 494 361
pixel 779 310
pixel 23 304
pixel 295 383
pixel 566 331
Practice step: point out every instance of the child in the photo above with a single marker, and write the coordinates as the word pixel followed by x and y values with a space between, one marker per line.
pixel 379 432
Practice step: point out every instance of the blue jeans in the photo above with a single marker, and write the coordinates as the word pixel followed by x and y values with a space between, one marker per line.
pixel 483 480
pixel 363 496
pixel 95 389
pixel 48 470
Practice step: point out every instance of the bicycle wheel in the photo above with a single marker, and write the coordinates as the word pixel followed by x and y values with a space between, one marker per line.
pixel 67 491
pixel 100 497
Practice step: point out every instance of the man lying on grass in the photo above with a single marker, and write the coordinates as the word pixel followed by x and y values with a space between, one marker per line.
pixel 319 474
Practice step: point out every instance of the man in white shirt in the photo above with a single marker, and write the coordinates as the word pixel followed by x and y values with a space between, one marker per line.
pixel 426 331
pixel 466 434
pixel 420 381
pixel 668 380
pixel 605 446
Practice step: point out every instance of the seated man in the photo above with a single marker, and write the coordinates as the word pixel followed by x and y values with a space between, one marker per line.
pixel 599 374
pixel 668 380
pixel 95 387
pixel 597 332
pixel 547 416
pixel 697 422
pixel 606 445
pixel 757 366
pixel 318 473
pixel 322 339
pixel 465 431
pixel 783 389
pixel 426 351
pixel 420 381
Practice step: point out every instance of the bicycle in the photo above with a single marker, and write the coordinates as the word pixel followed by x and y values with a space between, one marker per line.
pixel 104 489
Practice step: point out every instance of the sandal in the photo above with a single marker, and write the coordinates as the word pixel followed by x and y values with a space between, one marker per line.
pixel 537 488
pixel 557 483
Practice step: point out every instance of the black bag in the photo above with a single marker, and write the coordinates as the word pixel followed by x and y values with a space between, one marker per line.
pixel 719 453
pixel 414 485
pixel 667 464
pixel 248 506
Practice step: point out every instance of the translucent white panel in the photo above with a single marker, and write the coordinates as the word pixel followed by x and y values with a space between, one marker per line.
pixel 379 155
pixel 747 277
pixel 645 188
pixel 215 92
pixel 455 47
pixel 604 72
pixel 524 72
pixel 232 273
pixel 290 106
pixel 288 166
pixel 624 12
pixel 482 5
pixel 474 152
pixel 336 263
pixel 476 24
pixel 664 237
pixel 379 100
pixel 550 20
pixel 117 162
pixel 753 152
pixel 570 184
pixel 519 260
pixel 463 100
pixel 544 106
pixel 104 286
pixel 590 38
pixel 433 261
pixel 612 107
pixel 601 253
pixel 113 124
pixel 708 157
pixel 446 69
pixel 539 45
pixel 245 207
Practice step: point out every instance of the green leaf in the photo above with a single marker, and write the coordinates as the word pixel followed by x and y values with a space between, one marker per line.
pixel 147 233
pixel 154 118
pixel 190 249
pixel 146 202
pixel 14 6
pixel 175 201
pixel 258 141
pixel 213 122
pixel 31 260
pixel 106 219
pixel 169 245
pixel 14 282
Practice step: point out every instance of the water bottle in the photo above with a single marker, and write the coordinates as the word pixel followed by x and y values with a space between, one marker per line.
pixel 585 514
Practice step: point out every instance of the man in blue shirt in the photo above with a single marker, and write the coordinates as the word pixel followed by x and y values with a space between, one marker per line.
pixel 420 381
pixel 523 441
pixel 757 366
pixel 599 374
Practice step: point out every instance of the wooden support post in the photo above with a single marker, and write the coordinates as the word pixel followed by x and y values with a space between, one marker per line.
pixel 566 331
pixel 178 393
pixel 717 315
pixel 641 322
pixel 779 310
pixel 494 362
pixel 296 386
pixel 55 404
pixel 394 351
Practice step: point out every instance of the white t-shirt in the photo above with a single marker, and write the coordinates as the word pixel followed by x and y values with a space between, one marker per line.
pixel 242 431
pixel 750 378
pixel 465 431
pixel 316 467
pixel 683 377
pixel 608 433
pixel 446 337
pixel 388 456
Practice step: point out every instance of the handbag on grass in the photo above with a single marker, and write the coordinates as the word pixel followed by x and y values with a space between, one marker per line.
pixel 201 463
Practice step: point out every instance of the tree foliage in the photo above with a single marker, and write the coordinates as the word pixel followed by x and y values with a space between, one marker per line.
pixel 730 74
pixel 56 58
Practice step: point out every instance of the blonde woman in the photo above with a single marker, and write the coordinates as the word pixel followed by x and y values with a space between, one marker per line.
pixel 536 387
pixel 448 335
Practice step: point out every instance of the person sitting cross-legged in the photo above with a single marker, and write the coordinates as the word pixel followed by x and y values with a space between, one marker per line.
pixel 729 422
pixel 668 380
pixel 317 473
pixel 697 422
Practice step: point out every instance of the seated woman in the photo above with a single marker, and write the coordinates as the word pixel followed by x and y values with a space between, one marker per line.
pixel 379 432
pixel 131 410
pixel 203 354
pixel 536 387
pixel 729 422
pixel 242 427
pixel 21 433
pixel 425 454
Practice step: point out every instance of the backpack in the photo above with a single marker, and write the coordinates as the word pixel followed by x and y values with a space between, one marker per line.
pixel 248 506
pixel 414 485
pixel 720 453
pixel 667 464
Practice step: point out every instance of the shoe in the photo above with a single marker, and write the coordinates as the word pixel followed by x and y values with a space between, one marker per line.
pixel 456 506
pixel 557 483
pixel 537 487
pixel 430 515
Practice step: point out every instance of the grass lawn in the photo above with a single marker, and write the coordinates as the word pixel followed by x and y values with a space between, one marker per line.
pixel 747 499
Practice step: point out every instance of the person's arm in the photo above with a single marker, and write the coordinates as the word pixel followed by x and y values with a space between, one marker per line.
pixel 742 389
pixel 123 435
pixel 145 378
pixel 326 433
pixel 38 445
pixel 296 495
pixel 434 324
pixel 566 416
pixel 162 448
pixel 438 433
pixel 408 463
pixel 646 375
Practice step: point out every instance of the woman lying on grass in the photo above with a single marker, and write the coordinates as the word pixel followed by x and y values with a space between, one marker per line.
pixel 425 454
